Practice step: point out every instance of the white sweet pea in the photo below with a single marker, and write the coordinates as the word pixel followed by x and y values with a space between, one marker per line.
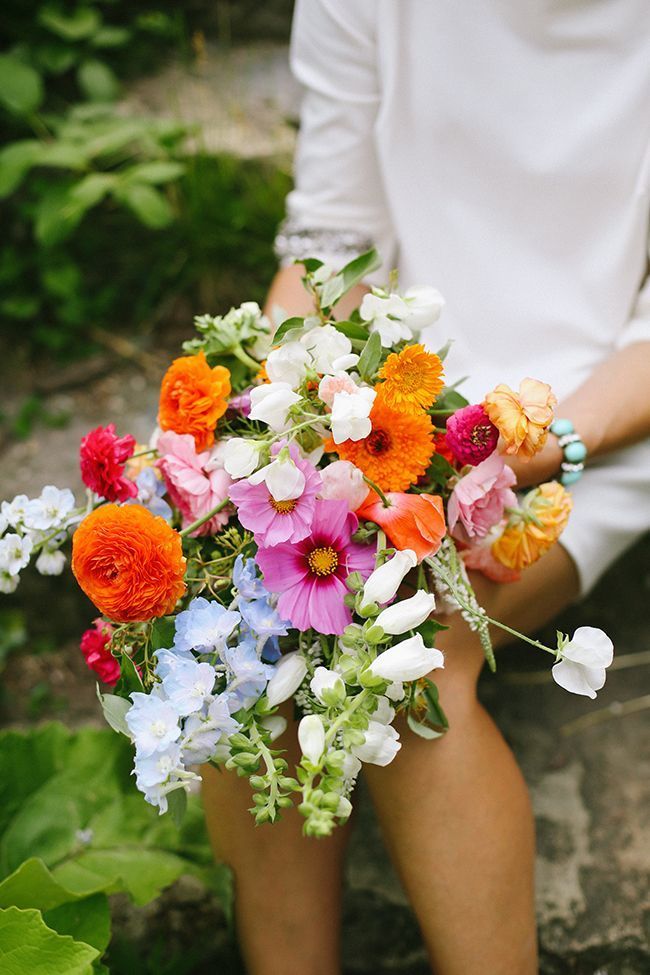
pixel 380 746
pixel 284 480
pixel 382 584
pixel 50 563
pixel 350 418
pixel 311 737
pixel 288 364
pixel 386 314
pixel 327 686
pixel 407 614
pixel 271 402
pixel 424 306
pixel 288 675
pixel 326 344
pixel 344 362
pixel 584 659
pixel 343 481
pixel 15 551
pixel 241 457
pixel 408 660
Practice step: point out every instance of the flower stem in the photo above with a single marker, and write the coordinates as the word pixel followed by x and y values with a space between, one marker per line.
pixel 378 490
pixel 245 358
pixel 206 517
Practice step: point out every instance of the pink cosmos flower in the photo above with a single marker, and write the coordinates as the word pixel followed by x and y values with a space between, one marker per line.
pixel 471 435
pixel 310 574
pixel 478 500
pixel 94 645
pixel 102 456
pixel 196 483
pixel 271 521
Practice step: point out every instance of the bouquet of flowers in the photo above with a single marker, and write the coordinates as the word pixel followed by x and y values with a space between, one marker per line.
pixel 261 546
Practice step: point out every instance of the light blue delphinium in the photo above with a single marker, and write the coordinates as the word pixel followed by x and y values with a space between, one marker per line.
pixel 153 722
pixel 188 685
pixel 168 660
pixel 248 675
pixel 204 626
pixel 246 579
pixel 203 730
pixel 150 493
pixel 263 619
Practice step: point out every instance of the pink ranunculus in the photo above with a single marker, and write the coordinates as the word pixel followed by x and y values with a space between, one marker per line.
pixel 343 481
pixel 95 646
pixel 471 435
pixel 310 574
pixel 479 498
pixel 102 456
pixel 196 483
pixel 273 521
pixel 329 386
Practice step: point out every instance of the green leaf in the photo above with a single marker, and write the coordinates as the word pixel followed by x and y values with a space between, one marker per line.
pixel 154 172
pixel 353 330
pixel 130 680
pixel 115 708
pixel 449 401
pixel 91 190
pixel 443 352
pixel 423 730
pixel 148 204
pixel 290 324
pixel 26 762
pixel 163 632
pixel 435 714
pixel 32 885
pixel 97 81
pixel 142 873
pixel 111 37
pixel 370 357
pixel 177 806
pixel 72 27
pixel 29 947
pixel 64 155
pixel 21 86
pixel 57 215
pixel 16 160
pixel 428 630
pixel 353 273
pixel 88 920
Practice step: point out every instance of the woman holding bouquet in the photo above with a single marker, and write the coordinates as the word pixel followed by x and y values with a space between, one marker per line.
pixel 503 153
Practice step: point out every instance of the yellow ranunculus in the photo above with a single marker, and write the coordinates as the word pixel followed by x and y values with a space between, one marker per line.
pixel 522 418
pixel 532 529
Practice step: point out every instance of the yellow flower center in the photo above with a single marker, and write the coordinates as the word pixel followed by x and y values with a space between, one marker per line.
pixel 480 434
pixel 283 507
pixel 323 561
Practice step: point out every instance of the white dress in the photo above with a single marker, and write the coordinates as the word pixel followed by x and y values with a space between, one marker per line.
pixel 500 151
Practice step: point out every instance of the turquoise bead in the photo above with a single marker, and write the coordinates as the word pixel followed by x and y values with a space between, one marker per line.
pixel 561 427
pixel 570 477
pixel 575 452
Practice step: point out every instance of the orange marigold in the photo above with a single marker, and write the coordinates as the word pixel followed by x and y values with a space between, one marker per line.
pixel 533 529
pixel 397 450
pixel 193 396
pixel 129 562
pixel 413 379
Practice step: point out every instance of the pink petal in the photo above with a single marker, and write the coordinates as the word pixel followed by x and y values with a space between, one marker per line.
pixel 281 567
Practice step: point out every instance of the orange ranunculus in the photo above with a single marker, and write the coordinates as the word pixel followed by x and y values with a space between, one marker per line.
pixel 412 379
pixel 415 521
pixel 522 418
pixel 129 562
pixel 532 529
pixel 193 396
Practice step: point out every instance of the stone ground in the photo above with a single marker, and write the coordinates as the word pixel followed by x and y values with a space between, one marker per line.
pixel 590 783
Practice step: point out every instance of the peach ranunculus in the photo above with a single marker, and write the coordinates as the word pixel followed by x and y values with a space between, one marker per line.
pixel 193 396
pixel 128 562
pixel 522 418
pixel 415 521
pixel 534 528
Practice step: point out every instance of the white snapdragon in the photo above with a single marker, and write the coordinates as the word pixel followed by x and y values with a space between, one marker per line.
pixel 424 305
pixel 275 724
pixel 350 418
pixel 288 364
pixel 241 457
pixel 327 686
pixel 382 584
pixel 271 402
pixel 584 660
pixel 381 744
pixel 408 660
pixel 288 675
pixel 153 723
pixel 284 480
pixel 407 614
pixel 50 563
pixel 387 315
pixel 311 737
pixel 327 345
pixel 384 713
pixel 15 552
pixel 343 481
pixel 50 510
pixel 188 686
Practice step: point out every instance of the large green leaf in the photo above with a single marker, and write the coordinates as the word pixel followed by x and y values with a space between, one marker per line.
pixel 115 708
pixel 97 81
pixel 21 87
pixel 26 762
pixel 140 872
pixel 32 885
pixel 148 204
pixel 16 160
pixel 353 273
pixel 76 26
pixel 86 920
pixel 29 947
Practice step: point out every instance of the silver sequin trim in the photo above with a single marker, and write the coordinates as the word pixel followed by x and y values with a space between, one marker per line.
pixel 294 241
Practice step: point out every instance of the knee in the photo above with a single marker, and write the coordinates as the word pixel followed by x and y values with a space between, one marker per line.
pixel 464 659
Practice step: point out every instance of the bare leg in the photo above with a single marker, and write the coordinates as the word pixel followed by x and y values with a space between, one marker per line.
pixel 288 888
pixel 455 812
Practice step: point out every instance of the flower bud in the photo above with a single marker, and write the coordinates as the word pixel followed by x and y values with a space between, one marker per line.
pixel 311 737
pixel 241 457
pixel 382 584
pixel 408 614
pixel 327 686
pixel 275 724
pixel 408 660
pixel 289 674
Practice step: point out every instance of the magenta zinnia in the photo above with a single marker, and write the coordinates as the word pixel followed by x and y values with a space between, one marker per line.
pixel 471 435
pixel 310 575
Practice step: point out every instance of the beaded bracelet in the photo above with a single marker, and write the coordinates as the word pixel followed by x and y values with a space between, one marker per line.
pixel 573 449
